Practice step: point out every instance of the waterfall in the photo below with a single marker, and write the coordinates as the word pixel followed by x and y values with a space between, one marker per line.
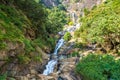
pixel 59 44
pixel 50 66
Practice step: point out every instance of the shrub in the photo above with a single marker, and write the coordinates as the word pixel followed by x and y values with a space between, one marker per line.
pixel 70 23
pixel 99 67
pixel 67 36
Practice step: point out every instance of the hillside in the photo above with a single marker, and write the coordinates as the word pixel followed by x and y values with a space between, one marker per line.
pixel 100 32
pixel 25 37
pixel 18 40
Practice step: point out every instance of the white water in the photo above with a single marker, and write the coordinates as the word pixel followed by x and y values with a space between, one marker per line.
pixel 59 44
pixel 50 66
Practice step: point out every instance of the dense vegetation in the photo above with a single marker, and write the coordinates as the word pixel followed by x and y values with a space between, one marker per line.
pixel 101 26
pixel 27 29
pixel 99 67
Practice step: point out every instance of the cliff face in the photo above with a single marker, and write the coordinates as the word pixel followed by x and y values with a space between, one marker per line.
pixel 75 8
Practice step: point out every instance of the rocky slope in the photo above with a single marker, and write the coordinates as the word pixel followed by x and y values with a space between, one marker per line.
pixel 20 55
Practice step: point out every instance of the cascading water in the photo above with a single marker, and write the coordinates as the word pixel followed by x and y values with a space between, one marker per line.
pixel 50 66
pixel 59 44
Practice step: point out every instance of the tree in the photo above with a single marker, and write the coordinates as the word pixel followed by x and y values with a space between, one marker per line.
pixel 99 67
pixel 102 25
pixel 56 20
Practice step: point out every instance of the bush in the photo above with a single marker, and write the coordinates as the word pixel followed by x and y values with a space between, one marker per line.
pixel 67 36
pixel 99 67
pixel 70 23
pixel 3 77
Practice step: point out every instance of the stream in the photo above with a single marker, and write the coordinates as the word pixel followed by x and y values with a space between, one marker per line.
pixel 52 62
pixel 50 66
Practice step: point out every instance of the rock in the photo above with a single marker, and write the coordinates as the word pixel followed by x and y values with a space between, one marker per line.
pixel 44 55
pixel 43 77
pixel 87 52
pixel 32 71
pixel 67 67
pixel 2 63
pixel 22 78
pixel 28 75
pixel 72 59
pixel 33 79
pixel 53 75
pixel 3 55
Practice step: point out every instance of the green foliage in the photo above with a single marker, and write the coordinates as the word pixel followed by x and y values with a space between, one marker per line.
pixel 8 28
pixel 19 17
pixel 56 20
pixel 61 7
pixel 99 67
pixel 74 1
pixel 13 16
pixel 80 45
pixel 77 34
pixel 3 77
pixel 23 59
pixel 37 1
pixel 86 11
pixel 38 58
pixel 67 36
pixel 51 41
pixel 2 45
pixel 70 23
pixel 28 46
pixel 36 13
pixel 39 42
pixel 102 24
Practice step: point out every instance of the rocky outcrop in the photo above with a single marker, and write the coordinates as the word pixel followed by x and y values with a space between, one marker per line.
pixel 10 63
pixel 67 68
